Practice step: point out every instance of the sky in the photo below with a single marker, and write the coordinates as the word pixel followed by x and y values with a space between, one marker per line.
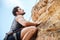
pixel 6 16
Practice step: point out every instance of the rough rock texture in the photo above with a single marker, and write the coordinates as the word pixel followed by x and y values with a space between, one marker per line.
pixel 47 12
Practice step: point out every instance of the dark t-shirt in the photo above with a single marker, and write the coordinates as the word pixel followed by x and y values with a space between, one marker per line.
pixel 16 26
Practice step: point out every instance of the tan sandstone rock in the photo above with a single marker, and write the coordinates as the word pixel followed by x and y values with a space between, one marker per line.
pixel 47 12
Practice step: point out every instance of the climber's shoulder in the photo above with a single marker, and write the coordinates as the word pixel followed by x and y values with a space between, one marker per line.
pixel 19 18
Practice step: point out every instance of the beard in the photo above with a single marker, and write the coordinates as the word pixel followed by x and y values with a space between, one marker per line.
pixel 22 13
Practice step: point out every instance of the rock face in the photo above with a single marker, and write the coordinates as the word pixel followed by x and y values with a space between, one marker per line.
pixel 47 12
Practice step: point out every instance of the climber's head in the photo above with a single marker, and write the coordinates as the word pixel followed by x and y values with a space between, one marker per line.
pixel 18 11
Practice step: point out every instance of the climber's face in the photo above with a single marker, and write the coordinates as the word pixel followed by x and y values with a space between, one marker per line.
pixel 20 12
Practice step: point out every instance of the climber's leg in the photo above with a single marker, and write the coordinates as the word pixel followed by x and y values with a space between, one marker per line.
pixel 28 35
pixel 28 32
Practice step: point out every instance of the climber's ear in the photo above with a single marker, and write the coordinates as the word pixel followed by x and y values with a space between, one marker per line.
pixel 16 13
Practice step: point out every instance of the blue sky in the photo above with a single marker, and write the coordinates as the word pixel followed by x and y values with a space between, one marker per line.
pixel 6 16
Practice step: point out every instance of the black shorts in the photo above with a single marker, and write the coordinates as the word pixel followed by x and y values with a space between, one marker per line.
pixel 15 36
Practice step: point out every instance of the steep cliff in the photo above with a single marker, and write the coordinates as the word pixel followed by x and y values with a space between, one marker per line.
pixel 47 12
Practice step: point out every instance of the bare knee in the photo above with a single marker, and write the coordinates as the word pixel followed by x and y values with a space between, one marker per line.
pixel 33 28
pixel 30 32
pixel 29 28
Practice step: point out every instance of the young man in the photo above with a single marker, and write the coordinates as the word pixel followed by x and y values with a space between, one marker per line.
pixel 21 29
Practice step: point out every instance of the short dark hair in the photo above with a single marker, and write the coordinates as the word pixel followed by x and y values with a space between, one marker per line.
pixel 15 9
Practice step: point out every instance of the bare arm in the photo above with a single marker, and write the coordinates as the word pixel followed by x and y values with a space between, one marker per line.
pixel 23 22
